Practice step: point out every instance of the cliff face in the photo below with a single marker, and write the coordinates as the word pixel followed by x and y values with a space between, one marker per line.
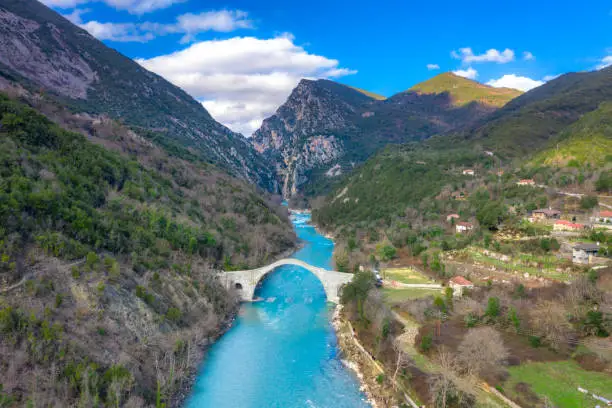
pixel 43 52
pixel 325 129
pixel 306 132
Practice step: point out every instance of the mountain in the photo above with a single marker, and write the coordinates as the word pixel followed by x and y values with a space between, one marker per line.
pixel 559 134
pixel 531 120
pixel 325 129
pixel 42 51
pixel 464 91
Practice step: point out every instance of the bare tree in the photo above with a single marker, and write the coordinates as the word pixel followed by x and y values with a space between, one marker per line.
pixel 549 320
pixel 482 349
pixel 402 360
pixel 448 388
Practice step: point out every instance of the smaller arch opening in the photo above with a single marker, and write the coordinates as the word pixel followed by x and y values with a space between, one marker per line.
pixel 238 286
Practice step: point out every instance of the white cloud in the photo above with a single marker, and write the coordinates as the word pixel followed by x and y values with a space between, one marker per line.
pixel 187 24
pixel 221 21
pixel 76 16
pixel 515 82
pixel 242 80
pixel 467 56
pixel 550 77
pixel 131 6
pixel 63 3
pixel 120 32
pixel 605 62
pixel 469 73
pixel 432 67
pixel 528 56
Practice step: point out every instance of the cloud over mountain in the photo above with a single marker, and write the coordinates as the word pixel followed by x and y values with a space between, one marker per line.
pixel 243 80
pixel 467 56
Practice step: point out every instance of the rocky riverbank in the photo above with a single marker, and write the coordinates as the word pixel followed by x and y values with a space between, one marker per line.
pixel 371 374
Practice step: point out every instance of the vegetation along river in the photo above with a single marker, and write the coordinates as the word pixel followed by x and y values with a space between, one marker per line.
pixel 281 352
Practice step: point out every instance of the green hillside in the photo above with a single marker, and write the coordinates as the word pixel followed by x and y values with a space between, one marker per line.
pixel 370 94
pixel 588 141
pixel 464 91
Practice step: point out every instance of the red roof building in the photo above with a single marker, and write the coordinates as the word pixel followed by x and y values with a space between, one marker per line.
pixel 526 182
pixel 461 281
pixel 562 225
pixel 458 283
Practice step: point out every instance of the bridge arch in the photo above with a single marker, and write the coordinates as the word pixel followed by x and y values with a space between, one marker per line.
pixel 249 279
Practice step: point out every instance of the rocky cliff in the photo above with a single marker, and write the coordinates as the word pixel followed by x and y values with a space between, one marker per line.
pixel 325 128
pixel 44 52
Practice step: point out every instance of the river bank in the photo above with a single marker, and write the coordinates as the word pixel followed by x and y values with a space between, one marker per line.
pixel 371 374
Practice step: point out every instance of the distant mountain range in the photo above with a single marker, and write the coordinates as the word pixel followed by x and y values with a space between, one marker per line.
pixel 324 129
pixel 559 134
pixel 42 51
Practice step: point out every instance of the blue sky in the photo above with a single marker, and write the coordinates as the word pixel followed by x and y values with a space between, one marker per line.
pixel 242 58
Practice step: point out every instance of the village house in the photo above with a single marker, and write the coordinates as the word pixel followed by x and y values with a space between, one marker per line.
pixel 488 153
pixel 499 173
pixel 562 225
pixel 468 172
pixel 604 217
pixel 451 217
pixel 584 253
pixel 459 195
pixel 458 284
pixel 525 182
pixel 463 227
pixel 545 214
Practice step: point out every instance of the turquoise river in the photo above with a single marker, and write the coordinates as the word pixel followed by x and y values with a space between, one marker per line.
pixel 281 352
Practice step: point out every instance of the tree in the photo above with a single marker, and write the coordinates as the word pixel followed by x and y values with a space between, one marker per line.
pixel 481 350
pixel 357 290
pixel 549 320
pixel 491 215
pixel 588 202
pixel 402 359
pixel 493 308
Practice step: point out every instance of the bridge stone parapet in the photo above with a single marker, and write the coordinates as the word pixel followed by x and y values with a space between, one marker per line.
pixel 246 281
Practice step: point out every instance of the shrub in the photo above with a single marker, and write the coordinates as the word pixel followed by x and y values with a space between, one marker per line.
pixel 535 341
pixel 470 320
pixel 173 314
pixel 588 202
pixel 493 307
pixel 426 342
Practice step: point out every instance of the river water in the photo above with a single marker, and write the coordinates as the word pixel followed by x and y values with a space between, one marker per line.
pixel 281 352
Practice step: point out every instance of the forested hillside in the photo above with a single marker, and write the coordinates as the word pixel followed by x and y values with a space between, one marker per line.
pixel 44 52
pixel 542 134
pixel 108 259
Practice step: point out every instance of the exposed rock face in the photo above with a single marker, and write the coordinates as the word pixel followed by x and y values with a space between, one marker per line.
pixel 56 69
pixel 301 136
pixel 325 128
pixel 42 51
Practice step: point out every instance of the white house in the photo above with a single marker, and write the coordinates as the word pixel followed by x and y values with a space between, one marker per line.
pixel 463 227
pixel 458 284
pixel 584 253
pixel 468 172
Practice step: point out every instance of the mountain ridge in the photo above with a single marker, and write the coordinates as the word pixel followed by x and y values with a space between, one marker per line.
pixel 41 50
pixel 325 129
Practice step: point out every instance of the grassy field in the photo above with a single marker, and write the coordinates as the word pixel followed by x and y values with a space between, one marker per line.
pixel 405 275
pixel 398 295
pixel 559 381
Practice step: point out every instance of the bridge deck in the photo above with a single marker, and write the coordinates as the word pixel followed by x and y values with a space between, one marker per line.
pixel 247 280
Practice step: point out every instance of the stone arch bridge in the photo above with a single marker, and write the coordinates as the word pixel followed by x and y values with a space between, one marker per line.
pixel 247 281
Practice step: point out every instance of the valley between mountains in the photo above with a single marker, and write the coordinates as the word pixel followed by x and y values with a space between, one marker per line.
pixel 476 223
